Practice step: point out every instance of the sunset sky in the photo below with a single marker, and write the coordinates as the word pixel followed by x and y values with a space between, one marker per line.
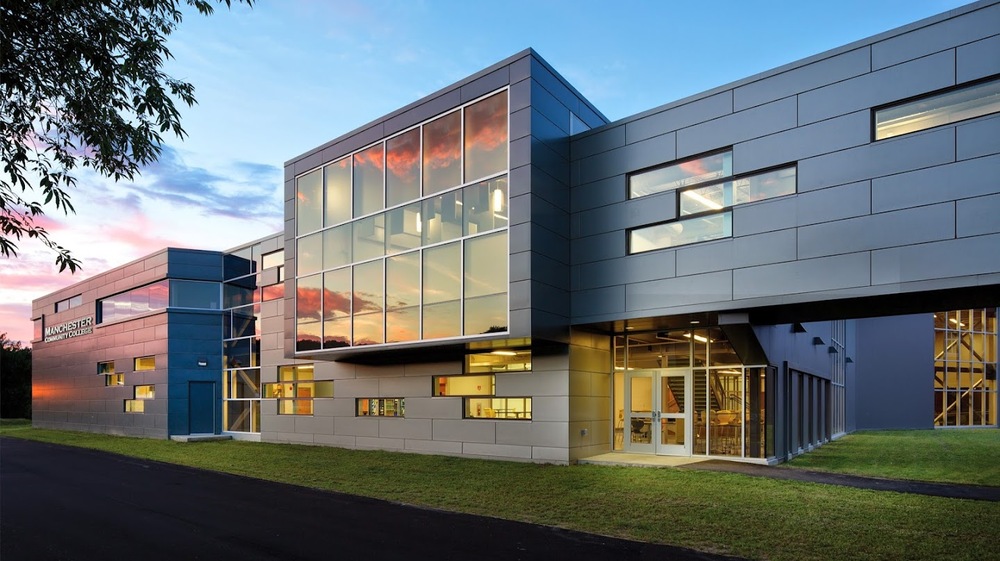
pixel 289 75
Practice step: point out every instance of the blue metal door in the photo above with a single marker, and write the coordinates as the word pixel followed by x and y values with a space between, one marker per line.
pixel 201 407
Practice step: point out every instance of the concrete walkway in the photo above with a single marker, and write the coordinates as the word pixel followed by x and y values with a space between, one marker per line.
pixel 950 490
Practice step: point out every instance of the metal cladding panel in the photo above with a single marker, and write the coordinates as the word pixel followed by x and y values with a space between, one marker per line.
pixel 766 216
pixel 978 138
pixel 945 259
pixel 520 123
pixel 738 127
pixel 675 118
pixel 799 143
pixel 978 60
pixel 485 84
pixel 679 291
pixel 548 105
pixel 549 216
pixel 552 163
pixel 804 78
pixel 898 82
pixel 894 385
pixel 878 231
pixel 978 216
pixel 626 159
pixel 592 195
pixel 597 301
pixel 932 38
pixel 551 299
pixel 970 178
pixel 552 137
pixel 746 251
pixel 887 157
pixel 834 203
pixel 627 214
pixel 597 248
pixel 551 245
pixel 603 140
pixel 631 268
pixel 804 275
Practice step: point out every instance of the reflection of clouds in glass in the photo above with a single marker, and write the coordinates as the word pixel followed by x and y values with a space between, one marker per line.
pixel 307 302
pixel 336 303
pixel 442 139
pixel 486 123
pixel 403 156
pixel 370 158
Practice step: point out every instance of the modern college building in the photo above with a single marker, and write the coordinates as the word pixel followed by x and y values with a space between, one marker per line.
pixel 497 271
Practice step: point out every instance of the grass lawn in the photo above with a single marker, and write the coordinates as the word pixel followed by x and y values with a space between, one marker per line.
pixel 949 456
pixel 715 512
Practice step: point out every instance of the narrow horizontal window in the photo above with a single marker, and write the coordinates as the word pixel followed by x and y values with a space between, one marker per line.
pixel 518 408
pixel 748 189
pixel 464 385
pixel 681 232
pixel 135 406
pixel 500 360
pixel 144 392
pixel 296 390
pixel 381 407
pixel 144 363
pixel 936 110
pixel 683 174
pixel 68 303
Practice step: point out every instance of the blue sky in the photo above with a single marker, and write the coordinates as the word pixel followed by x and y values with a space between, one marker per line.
pixel 279 79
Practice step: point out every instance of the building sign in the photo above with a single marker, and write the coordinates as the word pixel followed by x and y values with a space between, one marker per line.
pixel 70 329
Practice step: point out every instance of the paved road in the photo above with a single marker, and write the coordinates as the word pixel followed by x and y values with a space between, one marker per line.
pixel 67 503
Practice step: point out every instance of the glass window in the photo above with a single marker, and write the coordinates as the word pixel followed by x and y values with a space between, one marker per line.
pixel 195 294
pixel 441 291
pixel 242 416
pixel 309 257
pixel 683 174
pixel 307 310
pixel 501 360
pixel 309 202
pixel 135 406
pixel 152 297
pixel 941 109
pixel 273 259
pixel 39 325
pixel 242 384
pixel 402 229
pixel 402 297
pixel 144 363
pixel 517 408
pixel 111 378
pixel 240 353
pixel 369 237
pixel 337 308
pixel 368 303
pixel 368 188
pixel 338 192
pixel 402 163
pixel 337 246
pixel 739 191
pixel 296 390
pixel 145 392
pixel 485 206
pixel 442 153
pixel 441 219
pixel 464 385
pixel 681 232
pixel 68 303
pixel 381 407
pixel 486 284
pixel 486 137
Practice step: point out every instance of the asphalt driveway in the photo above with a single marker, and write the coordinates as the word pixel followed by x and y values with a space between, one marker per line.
pixel 66 503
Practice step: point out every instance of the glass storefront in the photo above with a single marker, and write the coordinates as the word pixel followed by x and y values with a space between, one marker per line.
pixel 687 393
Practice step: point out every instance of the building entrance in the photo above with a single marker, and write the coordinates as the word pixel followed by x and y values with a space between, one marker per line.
pixel 657 413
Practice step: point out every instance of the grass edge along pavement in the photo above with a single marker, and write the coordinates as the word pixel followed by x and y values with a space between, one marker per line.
pixel 714 512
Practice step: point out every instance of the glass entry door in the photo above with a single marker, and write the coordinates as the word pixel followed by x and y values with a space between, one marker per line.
pixel 657 411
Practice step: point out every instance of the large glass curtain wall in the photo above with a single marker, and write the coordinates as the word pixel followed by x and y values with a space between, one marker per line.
pixel 728 401
pixel 244 291
pixel 965 368
pixel 406 240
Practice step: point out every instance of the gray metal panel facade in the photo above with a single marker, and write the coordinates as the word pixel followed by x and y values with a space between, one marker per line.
pixel 902 215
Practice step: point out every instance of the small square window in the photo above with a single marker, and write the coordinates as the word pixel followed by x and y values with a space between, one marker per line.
pixel 145 363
